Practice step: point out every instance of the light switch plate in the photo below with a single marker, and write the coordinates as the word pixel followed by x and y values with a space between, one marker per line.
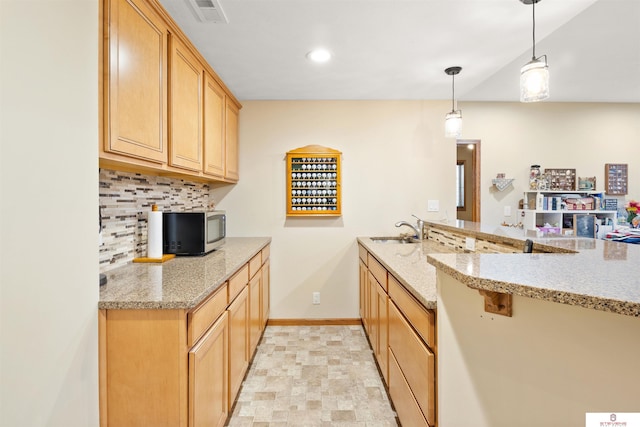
pixel 507 211
pixel 433 205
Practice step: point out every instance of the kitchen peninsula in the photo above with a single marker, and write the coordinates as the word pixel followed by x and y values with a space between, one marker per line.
pixel 570 346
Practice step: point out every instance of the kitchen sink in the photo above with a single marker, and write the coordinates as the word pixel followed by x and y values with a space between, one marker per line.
pixel 394 239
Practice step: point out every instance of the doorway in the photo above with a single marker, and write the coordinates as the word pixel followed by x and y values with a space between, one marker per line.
pixel 468 180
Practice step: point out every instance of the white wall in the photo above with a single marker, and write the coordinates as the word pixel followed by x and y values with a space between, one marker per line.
pixel 583 136
pixel 547 365
pixel 49 195
pixel 395 158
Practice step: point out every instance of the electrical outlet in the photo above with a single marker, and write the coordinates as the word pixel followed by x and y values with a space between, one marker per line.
pixel 433 205
pixel 507 211
pixel 470 243
pixel 316 298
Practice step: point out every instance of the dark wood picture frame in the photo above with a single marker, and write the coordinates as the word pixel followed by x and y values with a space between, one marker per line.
pixel 616 178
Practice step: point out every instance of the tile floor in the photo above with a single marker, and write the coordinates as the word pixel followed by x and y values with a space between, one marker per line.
pixel 313 376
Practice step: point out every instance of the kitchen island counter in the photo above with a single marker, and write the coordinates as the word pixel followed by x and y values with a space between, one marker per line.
pixel 180 283
pixel 590 273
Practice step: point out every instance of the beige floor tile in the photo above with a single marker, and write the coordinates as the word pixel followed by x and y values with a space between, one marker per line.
pixel 313 376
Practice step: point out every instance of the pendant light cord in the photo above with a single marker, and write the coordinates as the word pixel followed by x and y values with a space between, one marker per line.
pixel 534 29
pixel 453 92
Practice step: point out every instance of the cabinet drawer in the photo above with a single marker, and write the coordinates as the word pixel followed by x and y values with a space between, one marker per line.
pixel 415 360
pixel 238 282
pixel 254 264
pixel 362 252
pixel 266 252
pixel 203 316
pixel 378 271
pixel 406 406
pixel 421 319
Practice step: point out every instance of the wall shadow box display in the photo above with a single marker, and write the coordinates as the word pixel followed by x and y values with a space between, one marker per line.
pixel 616 178
pixel 313 181
pixel 561 179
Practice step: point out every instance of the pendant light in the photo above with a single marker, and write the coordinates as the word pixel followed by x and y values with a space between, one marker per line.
pixel 534 75
pixel 453 120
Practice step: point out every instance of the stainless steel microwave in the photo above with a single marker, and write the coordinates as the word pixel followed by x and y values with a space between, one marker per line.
pixel 193 233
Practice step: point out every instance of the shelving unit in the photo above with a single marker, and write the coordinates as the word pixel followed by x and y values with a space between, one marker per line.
pixel 313 182
pixel 557 208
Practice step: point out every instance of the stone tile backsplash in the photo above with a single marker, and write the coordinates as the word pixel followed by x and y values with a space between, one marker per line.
pixel 125 200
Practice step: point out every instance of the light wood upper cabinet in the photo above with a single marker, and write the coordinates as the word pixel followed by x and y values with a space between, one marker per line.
pixel 214 144
pixel 164 111
pixel 136 85
pixel 231 138
pixel 185 104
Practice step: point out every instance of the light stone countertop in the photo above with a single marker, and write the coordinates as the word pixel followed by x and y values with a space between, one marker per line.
pixel 408 264
pixel 597 274
pixel 180 283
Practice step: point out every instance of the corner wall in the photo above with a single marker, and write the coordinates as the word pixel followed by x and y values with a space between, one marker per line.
pixel 583 136
pixel 49 222
pixel 395 158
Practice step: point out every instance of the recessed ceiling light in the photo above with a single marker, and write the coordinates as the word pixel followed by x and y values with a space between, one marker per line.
pixel 319 55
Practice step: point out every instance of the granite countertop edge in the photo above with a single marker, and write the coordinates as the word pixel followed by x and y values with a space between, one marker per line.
pixel 127 287
pixel 627 308
pixel 417 281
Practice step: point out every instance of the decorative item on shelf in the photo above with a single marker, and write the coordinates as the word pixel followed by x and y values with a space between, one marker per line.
pixel 534 75
pixel 453 120
pixel 616 179
pixel 543 182
pixel 587 183
pixel 501 183
pixel 313 181
pixel 561 179
pixel 633 213
pixel 534 174
pixel 584 225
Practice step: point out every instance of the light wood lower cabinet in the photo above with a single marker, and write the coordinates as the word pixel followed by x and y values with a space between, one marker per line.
pixel 238 342
pixel 208 377
pixel 181 367
pixel 416 362
pixel 403 399
pixel 266 290
pixel 255 311
pixel 402 336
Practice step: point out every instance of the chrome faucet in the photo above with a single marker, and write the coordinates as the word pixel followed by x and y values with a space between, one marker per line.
pixel 416 229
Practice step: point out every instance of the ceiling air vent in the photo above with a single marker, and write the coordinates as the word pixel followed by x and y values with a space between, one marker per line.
pixel 208 11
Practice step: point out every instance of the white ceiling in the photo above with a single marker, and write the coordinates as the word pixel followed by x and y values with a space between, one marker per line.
pixel 398 49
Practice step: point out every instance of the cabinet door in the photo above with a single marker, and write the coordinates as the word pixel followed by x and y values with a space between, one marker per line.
pixel 186 107
pixel 137 81
pixel 266 292
pixel 373 312
pixel 254 312
pixel 382 353
pixel 363 293
pixel 238 342
pixel 208 377
pixel 214 147
pixel 231 140
pixel 415 360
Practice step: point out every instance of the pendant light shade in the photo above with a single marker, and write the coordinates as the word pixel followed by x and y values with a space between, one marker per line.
pixel 534 75
pixel 453 120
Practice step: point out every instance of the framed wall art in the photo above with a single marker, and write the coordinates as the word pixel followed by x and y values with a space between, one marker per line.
pixel 616 178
